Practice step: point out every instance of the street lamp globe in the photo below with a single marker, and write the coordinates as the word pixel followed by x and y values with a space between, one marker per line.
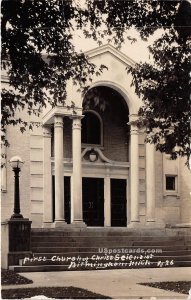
pixel 16 162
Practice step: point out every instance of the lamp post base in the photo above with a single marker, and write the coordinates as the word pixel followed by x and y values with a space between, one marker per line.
pixel 16 216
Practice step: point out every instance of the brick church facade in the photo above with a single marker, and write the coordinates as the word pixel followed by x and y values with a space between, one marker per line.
pixel 91 168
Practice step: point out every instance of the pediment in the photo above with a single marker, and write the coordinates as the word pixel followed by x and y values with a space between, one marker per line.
pixel 113 52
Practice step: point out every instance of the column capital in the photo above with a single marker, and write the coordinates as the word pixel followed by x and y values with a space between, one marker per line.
pixel 134 129
pixel 58 121
pixel 133 117
pixel 76 121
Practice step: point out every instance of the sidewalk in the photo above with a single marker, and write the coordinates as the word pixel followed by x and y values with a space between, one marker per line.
pixel 118 284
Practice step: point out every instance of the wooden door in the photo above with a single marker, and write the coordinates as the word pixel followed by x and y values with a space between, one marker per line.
pixel 118 203
pixel 93 201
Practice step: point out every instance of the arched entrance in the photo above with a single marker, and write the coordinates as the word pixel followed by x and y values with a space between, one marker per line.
pixel 105 142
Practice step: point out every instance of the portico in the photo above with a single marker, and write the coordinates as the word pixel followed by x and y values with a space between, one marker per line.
pixel 80 167
pixel 106 146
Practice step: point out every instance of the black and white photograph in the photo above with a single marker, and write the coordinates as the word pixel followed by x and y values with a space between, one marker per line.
pixel 96 149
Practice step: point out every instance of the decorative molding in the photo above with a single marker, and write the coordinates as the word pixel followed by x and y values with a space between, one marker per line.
pixel 78 117
pixel 76 124
pixel 58 122
pixel 133 128
pixel 60 111
pixel 113 51
pixel 134 131
pixel 132 118
pixel 103 158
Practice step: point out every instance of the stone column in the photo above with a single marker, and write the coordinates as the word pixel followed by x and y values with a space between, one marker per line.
pixel 77 172
pixel 107 200
pixel 59 171
pixel 134 172
pixel 47 178
pixel 150 182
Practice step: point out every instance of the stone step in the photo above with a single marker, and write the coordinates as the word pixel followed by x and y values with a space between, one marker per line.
pixel 48 268
pixel 53 249
pixel 55 238
pixel 158 252
pixel 105 243
pixel 120 231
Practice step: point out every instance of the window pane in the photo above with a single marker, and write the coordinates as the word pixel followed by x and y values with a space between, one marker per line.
pixel 91 129
pixel 170 183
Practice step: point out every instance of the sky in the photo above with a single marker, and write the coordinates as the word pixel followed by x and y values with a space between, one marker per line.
pixel 137 51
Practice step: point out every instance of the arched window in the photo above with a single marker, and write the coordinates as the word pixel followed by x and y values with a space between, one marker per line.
pixel 91 129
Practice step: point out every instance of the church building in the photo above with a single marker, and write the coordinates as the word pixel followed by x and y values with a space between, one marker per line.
pixel 88 166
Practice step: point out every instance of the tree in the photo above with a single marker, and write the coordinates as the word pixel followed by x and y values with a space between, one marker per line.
pixel 38 55
pixel 165 90
pixel 164 84
pixel 32 28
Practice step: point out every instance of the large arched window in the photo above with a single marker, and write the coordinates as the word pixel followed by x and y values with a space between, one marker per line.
pixel 91 128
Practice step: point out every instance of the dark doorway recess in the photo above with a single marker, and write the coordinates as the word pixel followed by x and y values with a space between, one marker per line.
pixel 67 199
pixel 118 203
pixel 93 201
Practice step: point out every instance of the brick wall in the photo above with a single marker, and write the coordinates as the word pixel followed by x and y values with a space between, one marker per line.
pixel 185 192
pixel 115 129
pixel 19 145
pixel 29 146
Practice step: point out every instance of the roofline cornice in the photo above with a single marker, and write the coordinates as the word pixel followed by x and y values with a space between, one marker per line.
pixel 112 50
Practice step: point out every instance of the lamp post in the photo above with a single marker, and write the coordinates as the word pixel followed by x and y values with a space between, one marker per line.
pixel 16 164
pixel 16 232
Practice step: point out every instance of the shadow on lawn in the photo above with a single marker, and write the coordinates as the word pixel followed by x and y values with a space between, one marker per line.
pixel 181 287
pixel 51 292
pixel 10 277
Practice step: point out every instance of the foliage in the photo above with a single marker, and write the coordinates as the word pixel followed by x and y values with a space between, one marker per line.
pixel 32 28
pixel 120 15
pixel 165 90
pixel 164 84
pixel 38 55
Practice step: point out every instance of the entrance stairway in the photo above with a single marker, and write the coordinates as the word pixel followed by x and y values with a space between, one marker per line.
pixel 106 248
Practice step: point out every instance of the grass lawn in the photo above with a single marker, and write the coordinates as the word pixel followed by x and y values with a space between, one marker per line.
pixel 9 277
pixel 182 287
pixel 51 292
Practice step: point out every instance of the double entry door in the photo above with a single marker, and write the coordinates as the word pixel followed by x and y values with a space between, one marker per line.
pixel 93 202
